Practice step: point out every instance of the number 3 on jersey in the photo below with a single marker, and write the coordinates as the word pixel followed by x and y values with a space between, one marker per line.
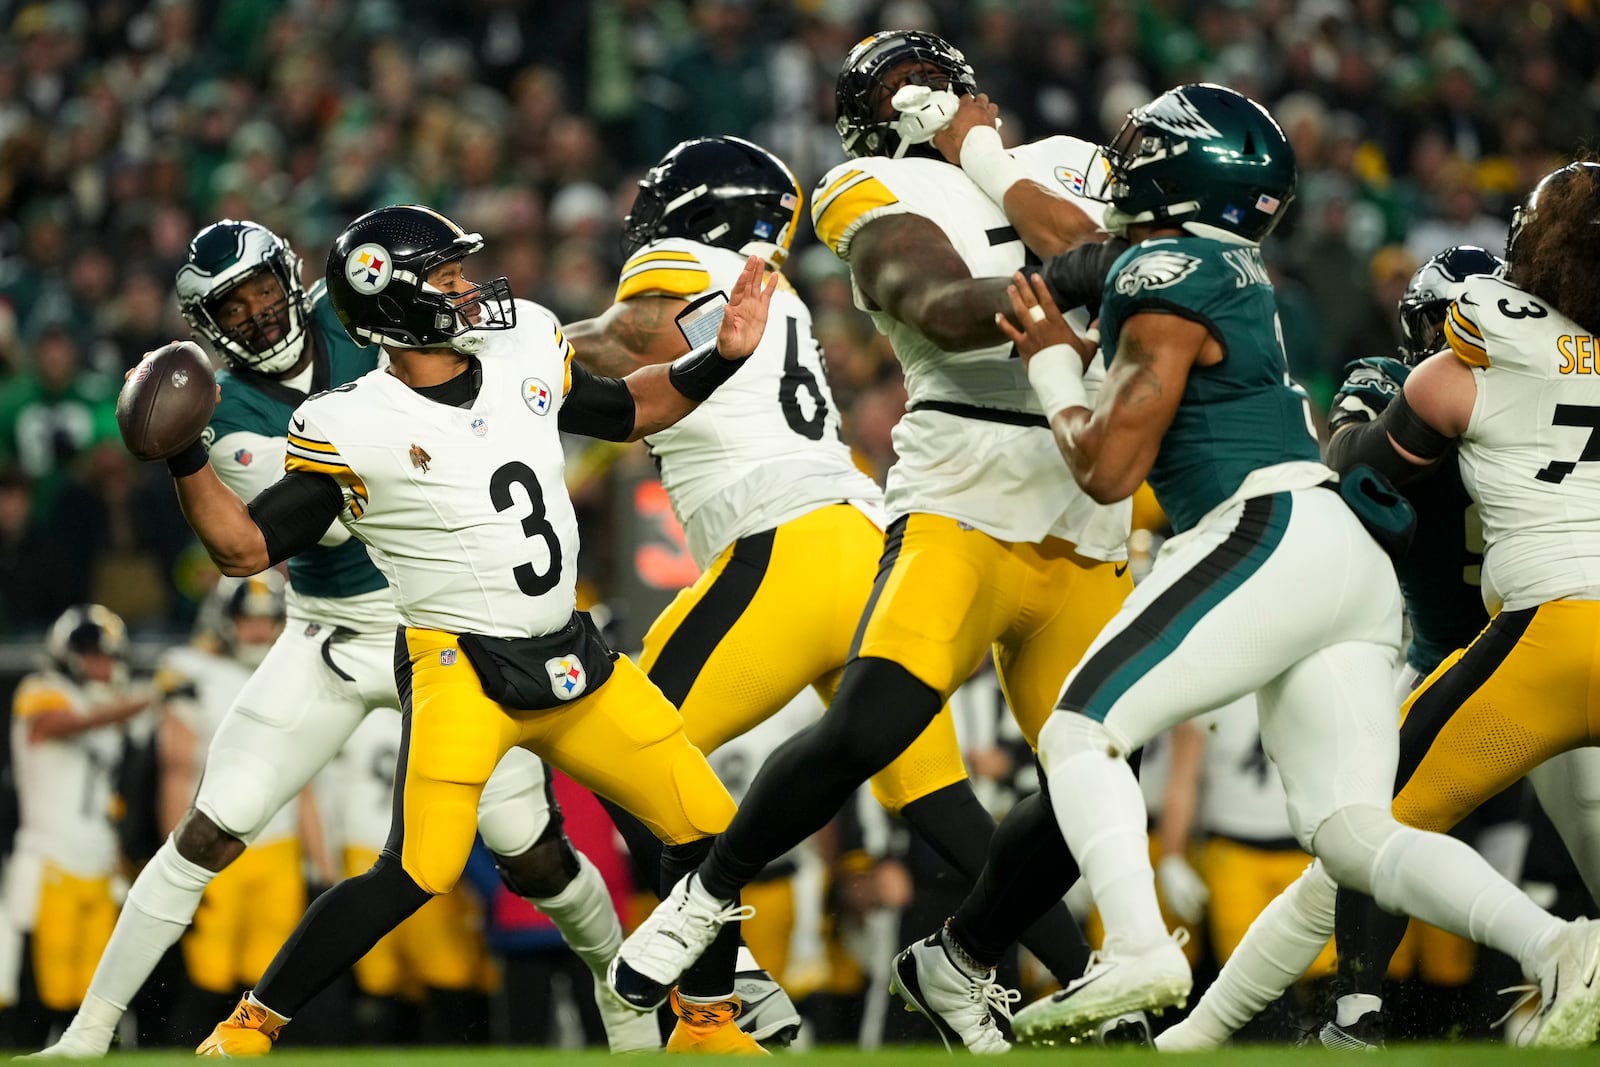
pixel 534 525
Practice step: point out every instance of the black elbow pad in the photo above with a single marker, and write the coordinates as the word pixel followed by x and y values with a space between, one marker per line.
pixel 1077 277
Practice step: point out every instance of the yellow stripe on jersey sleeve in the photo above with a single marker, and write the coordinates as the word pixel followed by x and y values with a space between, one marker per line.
pixel 567 352
pixel 846 200
pixel 320 457
pixel 1465 339
pixel 37 698
pixel 663 279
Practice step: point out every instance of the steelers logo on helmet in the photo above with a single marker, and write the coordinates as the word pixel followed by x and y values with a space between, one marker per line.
pixel 368 268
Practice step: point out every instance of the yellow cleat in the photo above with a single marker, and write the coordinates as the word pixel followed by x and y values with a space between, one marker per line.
pixel 710 1029
pixel 249 1031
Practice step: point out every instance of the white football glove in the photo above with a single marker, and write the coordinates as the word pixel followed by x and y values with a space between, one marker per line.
pixel 1181 888
pixel 923 113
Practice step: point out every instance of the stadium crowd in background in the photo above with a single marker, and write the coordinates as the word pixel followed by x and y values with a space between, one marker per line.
pixel 127 125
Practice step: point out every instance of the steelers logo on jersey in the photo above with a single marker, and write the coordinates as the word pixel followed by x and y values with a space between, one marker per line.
pixel 536 395
pixel 368 268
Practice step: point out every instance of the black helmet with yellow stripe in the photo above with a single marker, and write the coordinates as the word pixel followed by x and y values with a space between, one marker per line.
pixel 721 191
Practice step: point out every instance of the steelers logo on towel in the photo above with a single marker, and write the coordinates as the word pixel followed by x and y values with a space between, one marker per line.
pixel 367 268
pixel 567 677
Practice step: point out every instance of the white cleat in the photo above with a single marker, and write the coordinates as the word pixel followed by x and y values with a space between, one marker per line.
pixel 1569 988
pixel 1113 985
pixel 768 1015
pixel 627 1028
pixel 656 954
pixel 71 1046
pixel 962 1008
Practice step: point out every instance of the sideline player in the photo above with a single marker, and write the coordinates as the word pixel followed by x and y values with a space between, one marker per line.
pixel 239 289
pixel 448 465
pixel 66 742
pixel 989 543
pixel 1271 586
pixel 786 529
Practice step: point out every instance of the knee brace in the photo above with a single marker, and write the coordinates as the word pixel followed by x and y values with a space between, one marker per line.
pixel 1067 733
pixel 1351 842
pixel 239 792
pixel 513 824
pixel 541 871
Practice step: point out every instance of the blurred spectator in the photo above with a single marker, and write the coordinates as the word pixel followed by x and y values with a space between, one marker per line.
pixel 1459 218
pixel 1390 272
pixel 718 82
pixel 53 413
pixel 34 572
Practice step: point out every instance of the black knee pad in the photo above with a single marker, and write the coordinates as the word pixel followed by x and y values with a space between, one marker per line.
pixel 543 871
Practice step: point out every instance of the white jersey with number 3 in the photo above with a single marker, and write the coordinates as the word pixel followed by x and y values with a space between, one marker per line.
pixel 465 509
pixel 765 447
pixel 1530 456
pixel 1007 480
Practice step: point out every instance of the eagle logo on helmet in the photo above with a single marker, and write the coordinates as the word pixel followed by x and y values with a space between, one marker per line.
pixel 1175 113
pixel 1155 270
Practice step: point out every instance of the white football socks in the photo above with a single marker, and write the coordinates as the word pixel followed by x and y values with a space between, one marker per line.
pixel 1276 950
pixel 1102 816
pixel 586 918
pixel 161 903
pixel 1444 882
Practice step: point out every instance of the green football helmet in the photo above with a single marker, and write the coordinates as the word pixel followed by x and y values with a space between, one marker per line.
pixel 1202 157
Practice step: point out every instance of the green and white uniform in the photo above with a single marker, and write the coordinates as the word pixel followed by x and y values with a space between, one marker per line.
pixel 1271 584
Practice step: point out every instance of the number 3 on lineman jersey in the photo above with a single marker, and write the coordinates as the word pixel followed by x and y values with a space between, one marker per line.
pixel 534 524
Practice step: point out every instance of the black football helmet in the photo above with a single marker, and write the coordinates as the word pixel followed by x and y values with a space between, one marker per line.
pixel 721 191
pixel 377 281
pixel 867 125
pixel 1427 298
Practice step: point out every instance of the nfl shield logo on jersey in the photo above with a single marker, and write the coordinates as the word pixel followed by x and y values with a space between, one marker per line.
pixel 567 677
pixel 447 657
pixel 536 395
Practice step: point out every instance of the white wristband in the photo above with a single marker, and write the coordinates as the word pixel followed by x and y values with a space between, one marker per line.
pixel 988 164
pixel 1056 374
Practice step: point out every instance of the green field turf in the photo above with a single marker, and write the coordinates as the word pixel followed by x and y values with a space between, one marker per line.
pixel 1465 1055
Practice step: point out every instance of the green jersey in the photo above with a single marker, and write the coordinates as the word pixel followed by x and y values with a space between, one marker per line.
pixel 1235 417
pixel 258 406
pixel 1439 574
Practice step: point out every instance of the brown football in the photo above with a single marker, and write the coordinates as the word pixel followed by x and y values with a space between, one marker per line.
pixel 167 400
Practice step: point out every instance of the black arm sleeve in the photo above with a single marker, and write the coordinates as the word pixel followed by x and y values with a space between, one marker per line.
pixel 597 407
pixel 295 511
pixel 1077 277
pixel 1368 443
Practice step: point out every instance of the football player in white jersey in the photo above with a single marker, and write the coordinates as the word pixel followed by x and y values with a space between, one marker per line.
pixel 66 743
pixel 1517 397
pixel 448 466
pixel 787 530
pixel 239 289
pixel 990 543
